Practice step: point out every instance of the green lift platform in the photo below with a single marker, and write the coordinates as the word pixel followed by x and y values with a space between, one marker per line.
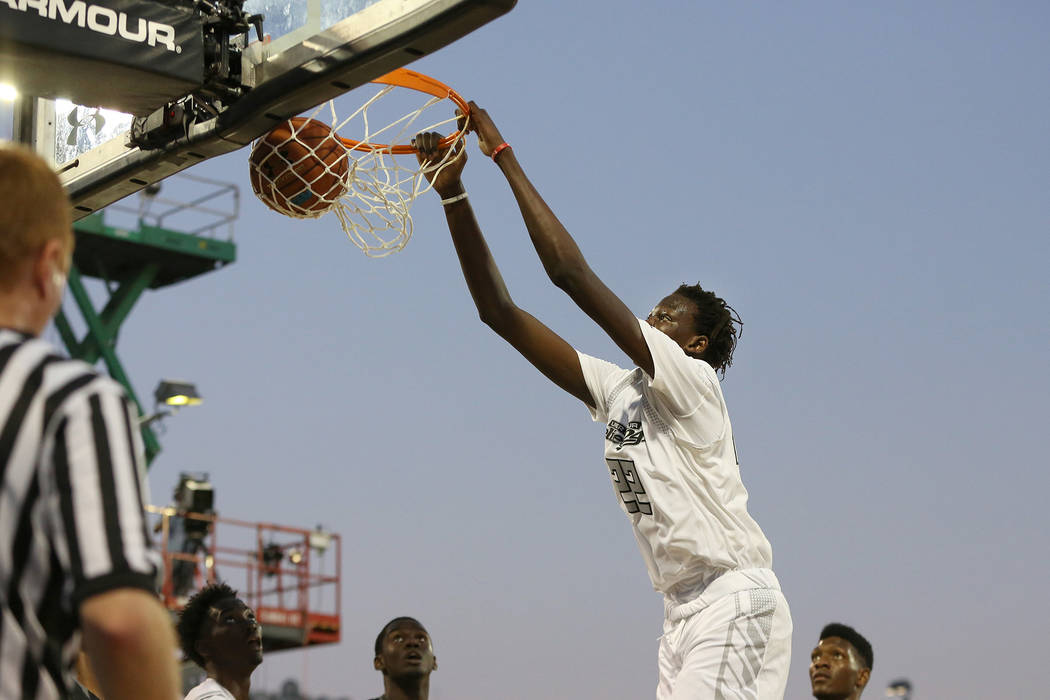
pixel 131 260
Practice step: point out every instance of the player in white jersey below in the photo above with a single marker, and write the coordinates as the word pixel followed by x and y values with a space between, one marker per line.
pixel 405 657
pixel 220 634
pixel 840 664
pixel 668 443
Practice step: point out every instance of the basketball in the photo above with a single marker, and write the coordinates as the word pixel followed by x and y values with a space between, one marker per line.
pixel 299 169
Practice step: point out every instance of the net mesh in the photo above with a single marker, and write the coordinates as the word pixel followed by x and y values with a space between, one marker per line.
pixel 301 171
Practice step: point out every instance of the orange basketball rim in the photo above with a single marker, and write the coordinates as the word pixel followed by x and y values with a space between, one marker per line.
pixel 402 77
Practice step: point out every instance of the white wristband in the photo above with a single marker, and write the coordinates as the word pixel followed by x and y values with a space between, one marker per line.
pixel 450 200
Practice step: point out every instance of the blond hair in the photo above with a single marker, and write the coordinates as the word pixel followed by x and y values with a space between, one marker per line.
pixel 34 208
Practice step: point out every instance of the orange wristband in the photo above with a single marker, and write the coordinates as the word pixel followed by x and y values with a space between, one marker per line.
pixel 499 149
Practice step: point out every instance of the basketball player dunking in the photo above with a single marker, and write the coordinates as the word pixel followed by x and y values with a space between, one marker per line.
pixel 668 442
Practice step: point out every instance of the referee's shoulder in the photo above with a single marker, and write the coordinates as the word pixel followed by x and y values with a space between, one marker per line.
pixel 66 379
pixel 74 381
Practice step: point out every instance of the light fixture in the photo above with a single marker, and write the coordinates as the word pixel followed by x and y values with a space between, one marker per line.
pixel 174 392
pixel 194 493
pixel 320 540
pixel 295 556
pixel 900 688
pixel 193 502
pixel 8 93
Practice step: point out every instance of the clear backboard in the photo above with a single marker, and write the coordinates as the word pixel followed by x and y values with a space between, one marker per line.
pixel 313 51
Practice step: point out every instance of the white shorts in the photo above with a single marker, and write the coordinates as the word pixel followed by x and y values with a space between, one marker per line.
pixel 732 642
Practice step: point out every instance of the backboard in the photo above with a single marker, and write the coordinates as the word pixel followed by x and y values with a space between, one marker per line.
pixel 313 51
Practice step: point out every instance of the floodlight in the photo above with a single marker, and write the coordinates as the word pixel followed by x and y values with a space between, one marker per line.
pixel 320 540
pixel 177 393
pixel 900 688
pixel 295 556
pixel 194 493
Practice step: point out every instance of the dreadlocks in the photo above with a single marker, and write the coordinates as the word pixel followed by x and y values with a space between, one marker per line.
pixel 194 615
pixel 718 321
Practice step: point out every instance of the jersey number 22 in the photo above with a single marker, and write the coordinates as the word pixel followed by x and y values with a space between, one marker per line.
pixel 629 484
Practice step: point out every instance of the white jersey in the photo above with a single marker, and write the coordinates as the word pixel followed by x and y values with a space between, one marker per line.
pixel 670 453
pixel 209 690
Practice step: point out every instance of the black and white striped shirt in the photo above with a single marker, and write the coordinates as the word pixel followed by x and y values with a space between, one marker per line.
pixel 72 490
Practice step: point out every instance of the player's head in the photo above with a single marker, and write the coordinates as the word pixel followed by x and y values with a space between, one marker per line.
pixel 404 649
pixel 704 325
pixel 36 234
pixel 840 664
pixel 216 629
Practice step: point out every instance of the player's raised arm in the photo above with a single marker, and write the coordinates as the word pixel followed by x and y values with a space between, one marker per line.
pixel 558 252
pixel 541 346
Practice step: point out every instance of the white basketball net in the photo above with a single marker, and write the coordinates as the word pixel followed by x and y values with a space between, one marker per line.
pixel 376 192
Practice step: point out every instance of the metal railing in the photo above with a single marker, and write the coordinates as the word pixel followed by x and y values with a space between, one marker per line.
pixel 277 570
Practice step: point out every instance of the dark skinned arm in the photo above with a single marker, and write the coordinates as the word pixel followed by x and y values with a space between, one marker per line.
pixel 541 346
pixel 561 257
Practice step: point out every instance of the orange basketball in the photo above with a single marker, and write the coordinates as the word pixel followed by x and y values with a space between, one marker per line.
pixel 299 169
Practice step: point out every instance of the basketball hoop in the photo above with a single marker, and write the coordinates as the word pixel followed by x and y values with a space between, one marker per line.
pixel 305 169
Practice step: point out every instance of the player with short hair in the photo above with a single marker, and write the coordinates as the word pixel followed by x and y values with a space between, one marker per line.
pixel 668 440
pixel 405 656
pixel 219 633
pixel 77 567
pixel 840 664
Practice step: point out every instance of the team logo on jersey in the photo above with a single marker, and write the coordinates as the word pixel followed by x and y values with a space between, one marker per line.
pixel 620 434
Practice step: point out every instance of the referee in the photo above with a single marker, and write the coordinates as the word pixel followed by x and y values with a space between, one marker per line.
pixel 76 565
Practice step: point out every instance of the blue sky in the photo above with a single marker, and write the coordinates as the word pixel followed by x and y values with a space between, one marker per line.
pixel 866 184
